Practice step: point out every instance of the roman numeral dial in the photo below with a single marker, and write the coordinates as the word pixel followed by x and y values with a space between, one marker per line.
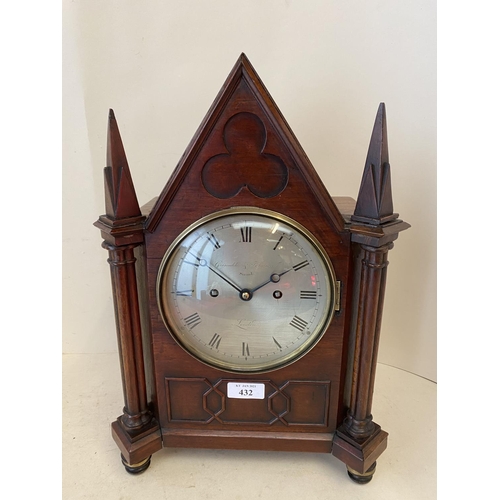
pixel 298 323
pixel 214 241
pixel 246 234
pixel 215 341
pixel 192 320
pixel 300 265
pixel 246 290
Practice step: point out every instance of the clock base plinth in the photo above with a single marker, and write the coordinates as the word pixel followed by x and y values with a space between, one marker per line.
pixel 137 446
pixel 359 455
pixel 362 478
pixel 313 442
pixel 136 468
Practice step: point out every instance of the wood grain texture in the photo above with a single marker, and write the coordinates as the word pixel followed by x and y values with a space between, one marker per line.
pixel 136 431
pixel 123 222
pixel 273 173
pixel 244 154
pixel 249 440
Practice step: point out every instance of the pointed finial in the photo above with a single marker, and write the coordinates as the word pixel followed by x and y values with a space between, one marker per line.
pixel 374 204
pixel 121 200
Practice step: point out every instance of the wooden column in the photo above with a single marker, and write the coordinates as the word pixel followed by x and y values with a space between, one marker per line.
pixel 136 432
pixel 128 329
pixel 359 441
pixel 373 263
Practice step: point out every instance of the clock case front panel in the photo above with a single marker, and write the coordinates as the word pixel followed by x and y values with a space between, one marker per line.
pixel 191 397
pixel 245 154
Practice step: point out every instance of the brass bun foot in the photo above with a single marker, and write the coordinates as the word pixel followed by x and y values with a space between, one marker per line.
pixel 136 468
pixel 362 478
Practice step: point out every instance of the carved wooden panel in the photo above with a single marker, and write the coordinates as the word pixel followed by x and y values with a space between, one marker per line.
pixel 245 164
pixel 295 402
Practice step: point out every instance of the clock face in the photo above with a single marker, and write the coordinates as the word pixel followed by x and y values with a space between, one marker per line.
pixel 246 290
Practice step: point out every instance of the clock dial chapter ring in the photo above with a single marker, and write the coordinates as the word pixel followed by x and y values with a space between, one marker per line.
pixel 246 290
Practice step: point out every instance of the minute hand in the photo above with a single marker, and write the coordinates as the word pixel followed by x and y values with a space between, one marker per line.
pixel 203 263
pixel 227 280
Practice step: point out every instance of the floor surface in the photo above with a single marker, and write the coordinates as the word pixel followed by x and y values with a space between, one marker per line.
pixel 404 405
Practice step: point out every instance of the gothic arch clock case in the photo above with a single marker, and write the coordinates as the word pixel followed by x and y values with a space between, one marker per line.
pixel 248 301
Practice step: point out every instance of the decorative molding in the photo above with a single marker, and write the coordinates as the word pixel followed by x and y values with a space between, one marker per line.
pixel 206 402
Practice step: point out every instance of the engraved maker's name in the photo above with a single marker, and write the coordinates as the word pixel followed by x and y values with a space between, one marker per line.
pixel 247 266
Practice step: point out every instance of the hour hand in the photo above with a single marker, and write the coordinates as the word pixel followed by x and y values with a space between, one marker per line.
pixel 274 278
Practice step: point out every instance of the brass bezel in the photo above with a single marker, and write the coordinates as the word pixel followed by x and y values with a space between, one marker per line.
pixel 290 357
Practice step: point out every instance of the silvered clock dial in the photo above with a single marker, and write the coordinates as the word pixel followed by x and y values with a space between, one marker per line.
pixel 246 290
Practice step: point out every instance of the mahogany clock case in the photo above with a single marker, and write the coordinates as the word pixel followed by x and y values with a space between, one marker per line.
pixel 245 155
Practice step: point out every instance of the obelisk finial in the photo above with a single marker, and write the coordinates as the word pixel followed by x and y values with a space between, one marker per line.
pixel 121 200
pixel 374 204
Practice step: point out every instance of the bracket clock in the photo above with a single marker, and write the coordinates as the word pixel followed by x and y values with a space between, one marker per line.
pixel 248 301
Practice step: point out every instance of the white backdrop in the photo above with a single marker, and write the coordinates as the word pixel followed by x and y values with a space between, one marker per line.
pixel 327 64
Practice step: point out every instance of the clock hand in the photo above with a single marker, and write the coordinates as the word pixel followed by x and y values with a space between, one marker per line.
pixel 274 279
pixel 204 263
pixel 227 280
